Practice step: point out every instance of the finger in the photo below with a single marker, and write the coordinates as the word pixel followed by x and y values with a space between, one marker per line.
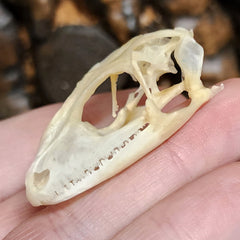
pixel 14 210
pixel 19 139
pixel 203 144
pixel 205 209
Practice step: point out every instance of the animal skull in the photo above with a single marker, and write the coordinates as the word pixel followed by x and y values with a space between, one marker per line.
pixel 75 156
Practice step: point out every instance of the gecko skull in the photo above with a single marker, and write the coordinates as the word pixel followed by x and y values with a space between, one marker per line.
pixel 75 156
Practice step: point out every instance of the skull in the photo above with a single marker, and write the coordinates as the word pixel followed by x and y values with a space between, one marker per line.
pixel 75 155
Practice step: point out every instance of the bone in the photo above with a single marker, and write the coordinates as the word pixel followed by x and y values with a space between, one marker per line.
pixel 89 155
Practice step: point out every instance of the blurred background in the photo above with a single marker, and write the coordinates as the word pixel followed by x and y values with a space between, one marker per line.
pixel 46 46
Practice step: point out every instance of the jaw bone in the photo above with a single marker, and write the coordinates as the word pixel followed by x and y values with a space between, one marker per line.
pixel 75 156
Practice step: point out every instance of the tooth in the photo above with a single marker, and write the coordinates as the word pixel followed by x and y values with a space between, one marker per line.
pixel 75 156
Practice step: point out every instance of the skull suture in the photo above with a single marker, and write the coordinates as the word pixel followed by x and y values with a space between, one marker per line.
pixel 75 156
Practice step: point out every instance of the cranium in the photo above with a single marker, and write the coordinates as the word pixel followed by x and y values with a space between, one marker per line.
pixel 75 156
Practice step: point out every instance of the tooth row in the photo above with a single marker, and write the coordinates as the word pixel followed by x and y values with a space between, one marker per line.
pixel 115 151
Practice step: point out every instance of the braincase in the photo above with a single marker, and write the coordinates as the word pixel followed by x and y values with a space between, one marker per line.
pixel 153 58
pixel 157 53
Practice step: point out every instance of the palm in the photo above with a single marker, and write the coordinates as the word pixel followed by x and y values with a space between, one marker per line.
pixel 188 188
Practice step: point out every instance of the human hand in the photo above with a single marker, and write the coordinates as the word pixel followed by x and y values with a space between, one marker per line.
pixel 187 188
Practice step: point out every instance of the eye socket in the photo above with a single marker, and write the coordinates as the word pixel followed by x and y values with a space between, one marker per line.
pixel 102 116
pixel 41 179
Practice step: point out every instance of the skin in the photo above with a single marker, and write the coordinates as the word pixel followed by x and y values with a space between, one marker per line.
pixel 186 189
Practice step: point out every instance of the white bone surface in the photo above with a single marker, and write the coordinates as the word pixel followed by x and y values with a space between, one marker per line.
pixel 75 156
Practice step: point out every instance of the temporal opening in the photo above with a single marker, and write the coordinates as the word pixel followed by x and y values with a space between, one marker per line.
pixel 180 101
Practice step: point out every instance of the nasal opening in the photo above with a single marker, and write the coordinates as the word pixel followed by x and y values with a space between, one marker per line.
pixel 41 179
